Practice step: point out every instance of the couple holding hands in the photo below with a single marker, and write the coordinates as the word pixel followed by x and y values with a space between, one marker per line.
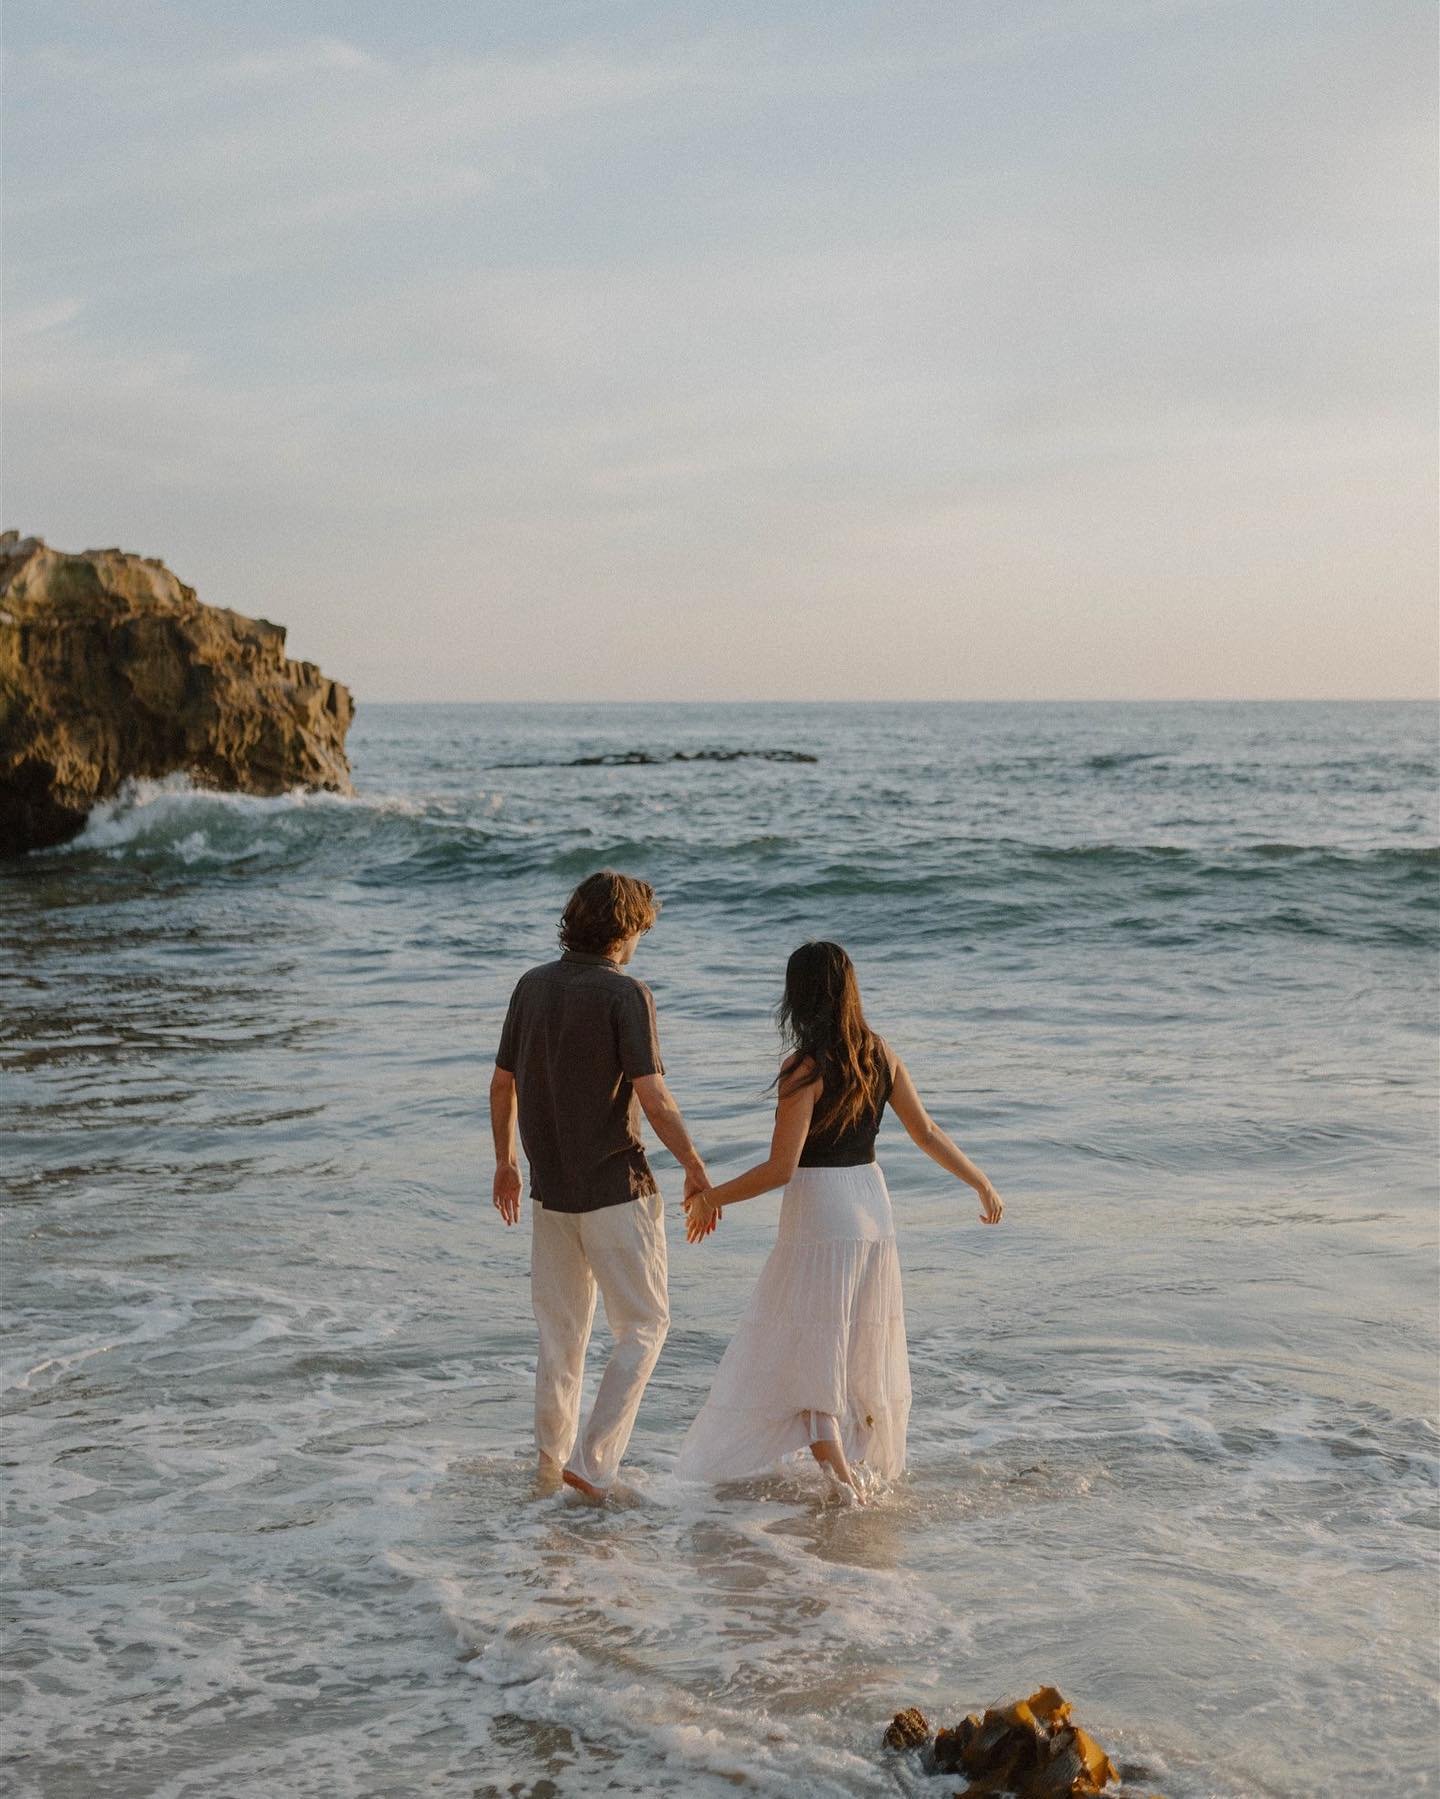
pixel 819 1360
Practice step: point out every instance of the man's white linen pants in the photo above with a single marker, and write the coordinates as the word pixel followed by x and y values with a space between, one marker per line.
pixel 618 1250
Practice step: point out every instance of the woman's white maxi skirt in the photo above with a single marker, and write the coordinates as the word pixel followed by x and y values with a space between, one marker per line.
pixel 824 1333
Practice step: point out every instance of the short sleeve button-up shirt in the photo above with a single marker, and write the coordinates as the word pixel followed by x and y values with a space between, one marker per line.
pixel 578 1033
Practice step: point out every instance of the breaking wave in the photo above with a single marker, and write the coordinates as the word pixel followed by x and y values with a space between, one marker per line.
pixel 1183 891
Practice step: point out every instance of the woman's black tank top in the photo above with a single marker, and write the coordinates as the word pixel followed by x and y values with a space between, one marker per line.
pixel 855 1147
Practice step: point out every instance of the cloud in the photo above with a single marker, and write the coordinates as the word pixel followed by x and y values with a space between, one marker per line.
pixel 32 321
pixel 293 62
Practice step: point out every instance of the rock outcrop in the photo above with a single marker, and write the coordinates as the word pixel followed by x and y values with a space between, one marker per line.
pixel 112 670
pixel 1029 1748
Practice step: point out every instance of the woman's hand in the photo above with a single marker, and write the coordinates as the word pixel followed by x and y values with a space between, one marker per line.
pixel 992 1207
pixel 701 1216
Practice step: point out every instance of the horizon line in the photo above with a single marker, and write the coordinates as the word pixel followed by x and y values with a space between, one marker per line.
pixel 1379 699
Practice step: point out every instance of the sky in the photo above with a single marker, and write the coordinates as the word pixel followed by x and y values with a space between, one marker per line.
pixel 642 349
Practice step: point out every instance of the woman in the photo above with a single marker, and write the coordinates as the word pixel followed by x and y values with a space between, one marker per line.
pixel 820 1357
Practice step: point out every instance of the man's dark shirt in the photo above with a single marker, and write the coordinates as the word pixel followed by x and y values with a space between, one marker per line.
pixel 577 1035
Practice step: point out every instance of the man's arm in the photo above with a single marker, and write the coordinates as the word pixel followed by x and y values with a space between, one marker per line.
pixel 503 1111
pixel 658 1104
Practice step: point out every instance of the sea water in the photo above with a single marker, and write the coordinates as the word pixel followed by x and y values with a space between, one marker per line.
pixel 1168 973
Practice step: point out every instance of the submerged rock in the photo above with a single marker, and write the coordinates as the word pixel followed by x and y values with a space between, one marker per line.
pixel 644 759
pixel 647 759
pixel 909 1729
pixel 112 670
pixel 1028 1749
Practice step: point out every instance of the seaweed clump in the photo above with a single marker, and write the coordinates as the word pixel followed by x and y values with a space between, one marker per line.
pixel 1028 1748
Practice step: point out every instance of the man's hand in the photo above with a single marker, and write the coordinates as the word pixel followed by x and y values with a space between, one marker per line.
pixel 507 1192
pixel 700 1217
pixel 992 1207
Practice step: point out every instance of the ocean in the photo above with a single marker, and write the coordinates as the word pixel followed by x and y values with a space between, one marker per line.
pixel 1167 972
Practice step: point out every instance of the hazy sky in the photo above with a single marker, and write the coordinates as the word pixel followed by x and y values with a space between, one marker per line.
pixel 1013 348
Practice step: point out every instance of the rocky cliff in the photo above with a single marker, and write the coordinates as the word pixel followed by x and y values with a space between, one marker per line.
pixel 111 669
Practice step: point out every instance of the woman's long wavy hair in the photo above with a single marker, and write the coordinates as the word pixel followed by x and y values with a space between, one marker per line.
pixel 822 1021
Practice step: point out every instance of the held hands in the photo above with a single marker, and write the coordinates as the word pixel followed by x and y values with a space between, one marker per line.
pixel 992 1207
pixel 700 1216
pixel 507 1192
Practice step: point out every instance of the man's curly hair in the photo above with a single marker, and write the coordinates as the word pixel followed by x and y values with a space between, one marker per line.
pixel 604 909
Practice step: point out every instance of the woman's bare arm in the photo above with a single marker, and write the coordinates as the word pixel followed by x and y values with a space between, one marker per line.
pixel 909 1108
pixel 792 1123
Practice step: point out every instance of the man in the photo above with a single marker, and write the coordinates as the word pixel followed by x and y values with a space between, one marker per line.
pixel 579 1058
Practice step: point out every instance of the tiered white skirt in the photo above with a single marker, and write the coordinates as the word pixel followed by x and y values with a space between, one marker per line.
pixel 824 1333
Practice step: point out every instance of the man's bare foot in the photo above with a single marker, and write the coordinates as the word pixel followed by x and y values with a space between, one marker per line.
pixel 547 1475
pixel 596 1495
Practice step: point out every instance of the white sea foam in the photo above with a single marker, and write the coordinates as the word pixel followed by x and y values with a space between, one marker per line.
pixel 200 824
pixel 352 1540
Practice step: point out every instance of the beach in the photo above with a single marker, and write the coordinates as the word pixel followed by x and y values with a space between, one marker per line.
pixel 1167 971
